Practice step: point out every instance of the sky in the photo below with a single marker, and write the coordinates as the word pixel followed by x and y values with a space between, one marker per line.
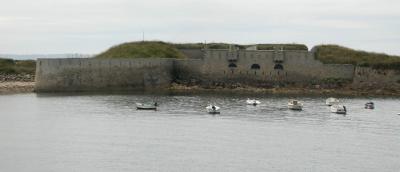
pixel 92 26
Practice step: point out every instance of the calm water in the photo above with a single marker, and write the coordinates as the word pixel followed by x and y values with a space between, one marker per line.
pixel 106 133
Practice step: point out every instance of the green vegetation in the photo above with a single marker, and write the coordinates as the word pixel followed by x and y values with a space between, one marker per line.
pixel 209 45
pixel 158 49
pixel 326 53
pixel 282 46
pixel 226 46
pixel 334 54
pixel 10 66
pixel 147 49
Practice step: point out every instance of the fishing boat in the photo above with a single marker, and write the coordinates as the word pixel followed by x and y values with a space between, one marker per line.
pixel 212 109
pixel 295 105
pixel 338 109
pixel 253 102
pixel 146 106
pixel 331 101
pixel 369 105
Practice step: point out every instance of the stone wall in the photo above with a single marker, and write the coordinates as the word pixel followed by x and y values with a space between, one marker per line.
pixel 248 67
pixel 366 77
pixel 263 67
pixel 193 53
pixel 102 74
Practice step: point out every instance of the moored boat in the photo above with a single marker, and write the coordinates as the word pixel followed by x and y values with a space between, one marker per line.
pixel 339 109
pixel 146 106
pixel 212 109
pixel 295 105
pixel 369 105
pixel 331 101
pixel 253 102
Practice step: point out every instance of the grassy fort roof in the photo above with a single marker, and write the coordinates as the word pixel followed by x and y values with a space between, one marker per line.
pixel 146 49
pixel 335 54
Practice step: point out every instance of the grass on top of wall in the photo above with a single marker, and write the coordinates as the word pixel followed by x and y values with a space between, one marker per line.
pixel 335 54
pixel 227 46
pixel 146 49
pixel 10 66
pixel 282 46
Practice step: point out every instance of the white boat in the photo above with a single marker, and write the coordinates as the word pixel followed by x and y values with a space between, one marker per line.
pixel 369 105
pixel 146 106
pixel 212 109
pixel 339 109
pixel 295 105
pixel 253 102
pixel 331 101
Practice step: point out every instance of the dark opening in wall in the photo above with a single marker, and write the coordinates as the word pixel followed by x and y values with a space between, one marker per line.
pixel 278 67
pixel 232 65
pixel 255 66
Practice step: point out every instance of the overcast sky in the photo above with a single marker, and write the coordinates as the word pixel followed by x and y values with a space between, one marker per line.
pixel 92 26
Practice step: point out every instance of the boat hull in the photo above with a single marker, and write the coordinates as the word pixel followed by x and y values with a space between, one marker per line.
pixel 141 106
pixel 369 105
pixel 213 109
pixel 253 102
pixel 213 113
pixel 338 109
pixel 295 107
pixel 145 108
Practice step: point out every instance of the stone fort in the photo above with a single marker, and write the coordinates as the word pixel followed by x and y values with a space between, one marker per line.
pixel 253 67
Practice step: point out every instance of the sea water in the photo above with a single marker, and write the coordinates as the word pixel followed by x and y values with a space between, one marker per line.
pixel 72 132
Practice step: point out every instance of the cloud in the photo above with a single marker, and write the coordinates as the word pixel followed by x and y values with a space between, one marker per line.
pixel 90 26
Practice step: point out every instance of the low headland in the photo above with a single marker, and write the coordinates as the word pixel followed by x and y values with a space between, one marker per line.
pixel 17 76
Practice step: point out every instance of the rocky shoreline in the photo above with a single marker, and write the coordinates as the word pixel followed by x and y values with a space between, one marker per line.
pixel 342 91
pixel 27 86
pixel 16 87
pixel 16 83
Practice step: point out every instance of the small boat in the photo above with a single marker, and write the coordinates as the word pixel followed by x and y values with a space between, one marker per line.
pixel 253 102
pixel 369 105
pixel 339 109
pixel 212 109
pixel 331 101
pixel 146 106
pixel 295 105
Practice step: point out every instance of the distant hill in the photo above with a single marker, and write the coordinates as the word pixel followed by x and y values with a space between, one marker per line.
pixel 147 49
pixel 342 55
pixel 36 56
